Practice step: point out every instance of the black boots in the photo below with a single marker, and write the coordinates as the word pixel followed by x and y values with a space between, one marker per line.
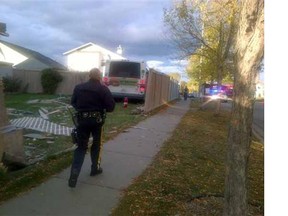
pixel 73 179
pixel 74 176
pixel 96 171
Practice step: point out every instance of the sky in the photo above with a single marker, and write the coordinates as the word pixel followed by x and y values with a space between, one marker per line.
pixel 52 27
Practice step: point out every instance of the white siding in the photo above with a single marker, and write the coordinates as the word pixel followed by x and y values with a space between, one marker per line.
pixel 83 61
pixel 89 57
pixel 11 56
pixel 259 91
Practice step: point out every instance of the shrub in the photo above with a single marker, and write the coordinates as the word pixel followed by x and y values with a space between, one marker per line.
pixel 11 84
pixel 50 79
pixel 3 171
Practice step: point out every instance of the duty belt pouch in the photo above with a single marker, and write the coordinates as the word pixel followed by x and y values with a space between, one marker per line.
pixel 95 115
pixel 74 136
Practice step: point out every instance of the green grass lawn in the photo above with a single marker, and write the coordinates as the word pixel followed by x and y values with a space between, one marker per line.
pixel 187 175
pixel 19 101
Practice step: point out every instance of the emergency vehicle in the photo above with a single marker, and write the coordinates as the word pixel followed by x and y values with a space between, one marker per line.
pixel 213 91
pixel 126 78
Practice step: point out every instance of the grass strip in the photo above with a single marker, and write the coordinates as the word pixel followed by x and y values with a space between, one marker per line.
pixel 187 175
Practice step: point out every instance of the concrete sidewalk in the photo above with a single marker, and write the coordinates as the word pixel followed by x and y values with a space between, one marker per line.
pixel 123 158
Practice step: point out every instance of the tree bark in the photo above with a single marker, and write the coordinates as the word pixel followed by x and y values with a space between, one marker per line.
pixel 249 53
pixel 3 113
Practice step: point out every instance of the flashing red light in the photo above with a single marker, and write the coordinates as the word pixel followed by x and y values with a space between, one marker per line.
pixel 142 85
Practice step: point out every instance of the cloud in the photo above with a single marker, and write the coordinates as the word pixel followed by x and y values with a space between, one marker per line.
pixel 55 27
pixel 171 66
pixel 182 62
pixel 154 63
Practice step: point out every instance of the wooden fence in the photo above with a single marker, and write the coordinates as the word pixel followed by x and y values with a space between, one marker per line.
pixel 31 80
pixel 161 89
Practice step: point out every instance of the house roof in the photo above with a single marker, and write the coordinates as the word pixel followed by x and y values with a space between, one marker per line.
pixel 36 55
pixel 79 48
pixel 92 44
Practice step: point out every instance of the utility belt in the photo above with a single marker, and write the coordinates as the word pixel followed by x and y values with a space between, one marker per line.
pixel 98 116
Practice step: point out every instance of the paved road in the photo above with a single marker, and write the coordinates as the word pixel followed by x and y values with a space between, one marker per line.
pixel 258 118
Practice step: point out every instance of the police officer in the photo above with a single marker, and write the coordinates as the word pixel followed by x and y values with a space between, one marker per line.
pixel 91 100
pixel 185 93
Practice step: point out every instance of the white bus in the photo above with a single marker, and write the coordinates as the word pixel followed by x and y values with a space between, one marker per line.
pixel 126 78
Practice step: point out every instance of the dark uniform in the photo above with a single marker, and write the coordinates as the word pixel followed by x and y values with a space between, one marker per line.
pixel 185 93
pixel 91 101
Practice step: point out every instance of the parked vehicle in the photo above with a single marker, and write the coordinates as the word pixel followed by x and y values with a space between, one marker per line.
pixel 126 78
pixel 191 95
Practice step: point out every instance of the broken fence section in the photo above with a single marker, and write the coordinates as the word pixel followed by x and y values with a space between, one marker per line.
pixel 40 124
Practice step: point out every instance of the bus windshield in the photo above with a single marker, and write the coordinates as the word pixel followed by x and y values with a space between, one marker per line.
pixel 125 69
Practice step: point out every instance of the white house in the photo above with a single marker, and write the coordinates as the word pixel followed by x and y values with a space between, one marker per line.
pixel 259 94
pixel 26 59
pixel 259 91
pixel 88 56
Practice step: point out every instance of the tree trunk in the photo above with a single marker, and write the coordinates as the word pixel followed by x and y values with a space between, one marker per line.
pixel 219 84
pixel 249 52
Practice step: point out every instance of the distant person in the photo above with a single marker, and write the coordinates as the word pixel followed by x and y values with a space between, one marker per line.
pixel 91 100
pixel 185 93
